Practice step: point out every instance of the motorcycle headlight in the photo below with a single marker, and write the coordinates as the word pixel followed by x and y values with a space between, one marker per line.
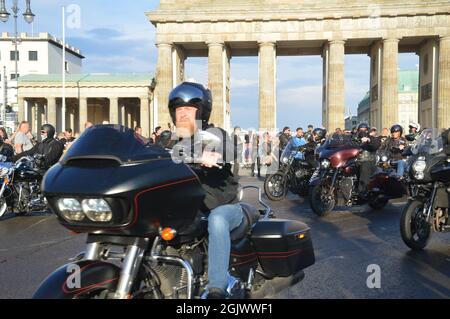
pixel 419 176
pixel 384 158
pixel 419 166
pixel 285 160
pixel 4 171
pixel 70 209
pixel 97 210
pixel 325 163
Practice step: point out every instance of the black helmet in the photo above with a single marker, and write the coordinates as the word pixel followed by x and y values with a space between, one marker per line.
pixel 363 126
pixel 397 128
pixel 191 94
pixel 49 129
pixel 319 133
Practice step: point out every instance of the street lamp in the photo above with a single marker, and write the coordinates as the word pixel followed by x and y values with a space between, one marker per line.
pixel 4 17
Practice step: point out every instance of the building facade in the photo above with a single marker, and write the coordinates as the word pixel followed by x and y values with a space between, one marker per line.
pixel 125 99
pixel 220 30
pixel 40 54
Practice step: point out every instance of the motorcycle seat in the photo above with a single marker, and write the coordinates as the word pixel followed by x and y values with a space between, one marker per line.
pixel 251 216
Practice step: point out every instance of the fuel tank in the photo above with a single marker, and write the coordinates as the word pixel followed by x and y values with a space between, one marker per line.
pixel 143 186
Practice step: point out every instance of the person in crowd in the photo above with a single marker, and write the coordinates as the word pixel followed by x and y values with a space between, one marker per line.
pixel 284 138
pixel 61 137
pixel 308 133
pixel 138 130
pixel 49 148
pixel 69 135
pixel 158 131
pixel 88 125
pixel 6 150
pixel 4 135
pixel 369 144
pixel 298 141
pixel 256 159
pixel 238 149
pixel 373 132
pixel 414 132
pixel 266 150
pixel 22 140
pixel 394 146
pixel 384 135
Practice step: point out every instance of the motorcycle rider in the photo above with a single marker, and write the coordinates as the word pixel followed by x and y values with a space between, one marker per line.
pixel 50 148
pixel 394 146
pixel 190 108
pixel 299 141
pixel 414 132
pixel 316 139
pixel 369 144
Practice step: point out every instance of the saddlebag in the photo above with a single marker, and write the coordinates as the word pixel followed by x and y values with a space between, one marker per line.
pixel 283 247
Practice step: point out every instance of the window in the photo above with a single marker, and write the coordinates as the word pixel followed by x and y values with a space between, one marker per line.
pixel 14 76
pixel 32 55
pixel 13 56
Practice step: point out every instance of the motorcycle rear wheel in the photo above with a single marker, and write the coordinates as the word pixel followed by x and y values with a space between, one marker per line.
pixel 275 186
pixel 415 230
pixel 320 205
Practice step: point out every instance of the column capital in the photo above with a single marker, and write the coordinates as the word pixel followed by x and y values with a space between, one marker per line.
pixel 267 43
pixel 336 42
pixel 445 37
pixel 391 39
pixel 215 44
pixel 164 44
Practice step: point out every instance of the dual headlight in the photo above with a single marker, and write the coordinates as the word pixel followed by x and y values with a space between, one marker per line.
pixel 419 167
pixel 325 163
pixel 4 171
pixel 95 209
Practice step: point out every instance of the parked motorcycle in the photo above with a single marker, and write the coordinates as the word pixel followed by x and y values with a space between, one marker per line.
pixel 20 186
pixel 335 182
pixel 146 235
pixel 294 174
pixel 429 181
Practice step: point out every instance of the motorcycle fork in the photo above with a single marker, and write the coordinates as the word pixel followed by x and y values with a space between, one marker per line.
pixel 333 181
pixel 429 209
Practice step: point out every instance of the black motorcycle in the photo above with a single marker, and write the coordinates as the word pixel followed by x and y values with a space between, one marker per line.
pixel 20 190
pixel 294 174
pixel 146 235
pixel 429 185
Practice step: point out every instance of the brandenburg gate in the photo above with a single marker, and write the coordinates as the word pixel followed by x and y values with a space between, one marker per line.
pixel 382 29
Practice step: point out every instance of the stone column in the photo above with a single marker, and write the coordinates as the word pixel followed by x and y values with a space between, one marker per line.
pixel 122 115
pixel 443 112
pixel 335 110
pixel 178 58
pixel 375 85
pixel 164 81
pixel 83 113
pixel 51 111
pixel 145 116
pixel 218 64
pixel 389 88
pixel 428 82
pixel 267 85
pixel 21 114
pixel 114 110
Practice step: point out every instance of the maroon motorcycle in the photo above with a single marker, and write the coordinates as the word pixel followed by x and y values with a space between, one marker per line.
pixel 336 180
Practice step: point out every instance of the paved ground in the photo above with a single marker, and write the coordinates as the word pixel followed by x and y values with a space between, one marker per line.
pixel 346 243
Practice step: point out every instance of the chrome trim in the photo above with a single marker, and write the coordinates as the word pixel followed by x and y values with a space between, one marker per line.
pixel 154 256
pixel 130 268
pixel 92 251
pixel 268 209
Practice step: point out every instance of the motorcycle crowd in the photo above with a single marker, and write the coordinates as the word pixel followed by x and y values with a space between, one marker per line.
pixel 163 228
pixel 358 167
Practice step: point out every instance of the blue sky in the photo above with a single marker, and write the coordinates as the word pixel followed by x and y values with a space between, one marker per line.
pixel 115 36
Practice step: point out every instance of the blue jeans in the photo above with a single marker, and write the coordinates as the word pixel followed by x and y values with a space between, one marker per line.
pixel 401 168
pixel 221 221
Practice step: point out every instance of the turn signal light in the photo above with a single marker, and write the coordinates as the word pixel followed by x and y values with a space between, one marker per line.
pixel 168 234
pixel 301 236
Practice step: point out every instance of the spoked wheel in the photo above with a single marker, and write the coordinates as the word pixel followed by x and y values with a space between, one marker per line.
pixel 3 207
pixel 21 207
pixel 322 199
pixel 275 186
pixel 415 229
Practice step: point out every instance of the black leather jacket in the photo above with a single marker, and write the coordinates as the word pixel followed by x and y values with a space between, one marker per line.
pixel 50 149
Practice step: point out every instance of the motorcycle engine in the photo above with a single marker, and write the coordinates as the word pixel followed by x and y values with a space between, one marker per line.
pixel 346 187
pixel 301 174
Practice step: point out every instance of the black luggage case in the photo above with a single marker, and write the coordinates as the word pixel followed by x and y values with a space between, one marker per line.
pixel 283 247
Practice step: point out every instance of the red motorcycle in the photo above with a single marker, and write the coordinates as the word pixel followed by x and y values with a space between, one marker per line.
pixel 335 182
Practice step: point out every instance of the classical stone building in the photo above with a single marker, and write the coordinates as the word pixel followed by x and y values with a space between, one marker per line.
pixel 125 99
pixel 408 101
pixel 222 29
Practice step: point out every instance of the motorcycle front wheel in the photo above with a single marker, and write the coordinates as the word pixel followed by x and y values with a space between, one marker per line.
pixel 322 202
pixel 414 228
pixel 275 186
pixel 3 206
